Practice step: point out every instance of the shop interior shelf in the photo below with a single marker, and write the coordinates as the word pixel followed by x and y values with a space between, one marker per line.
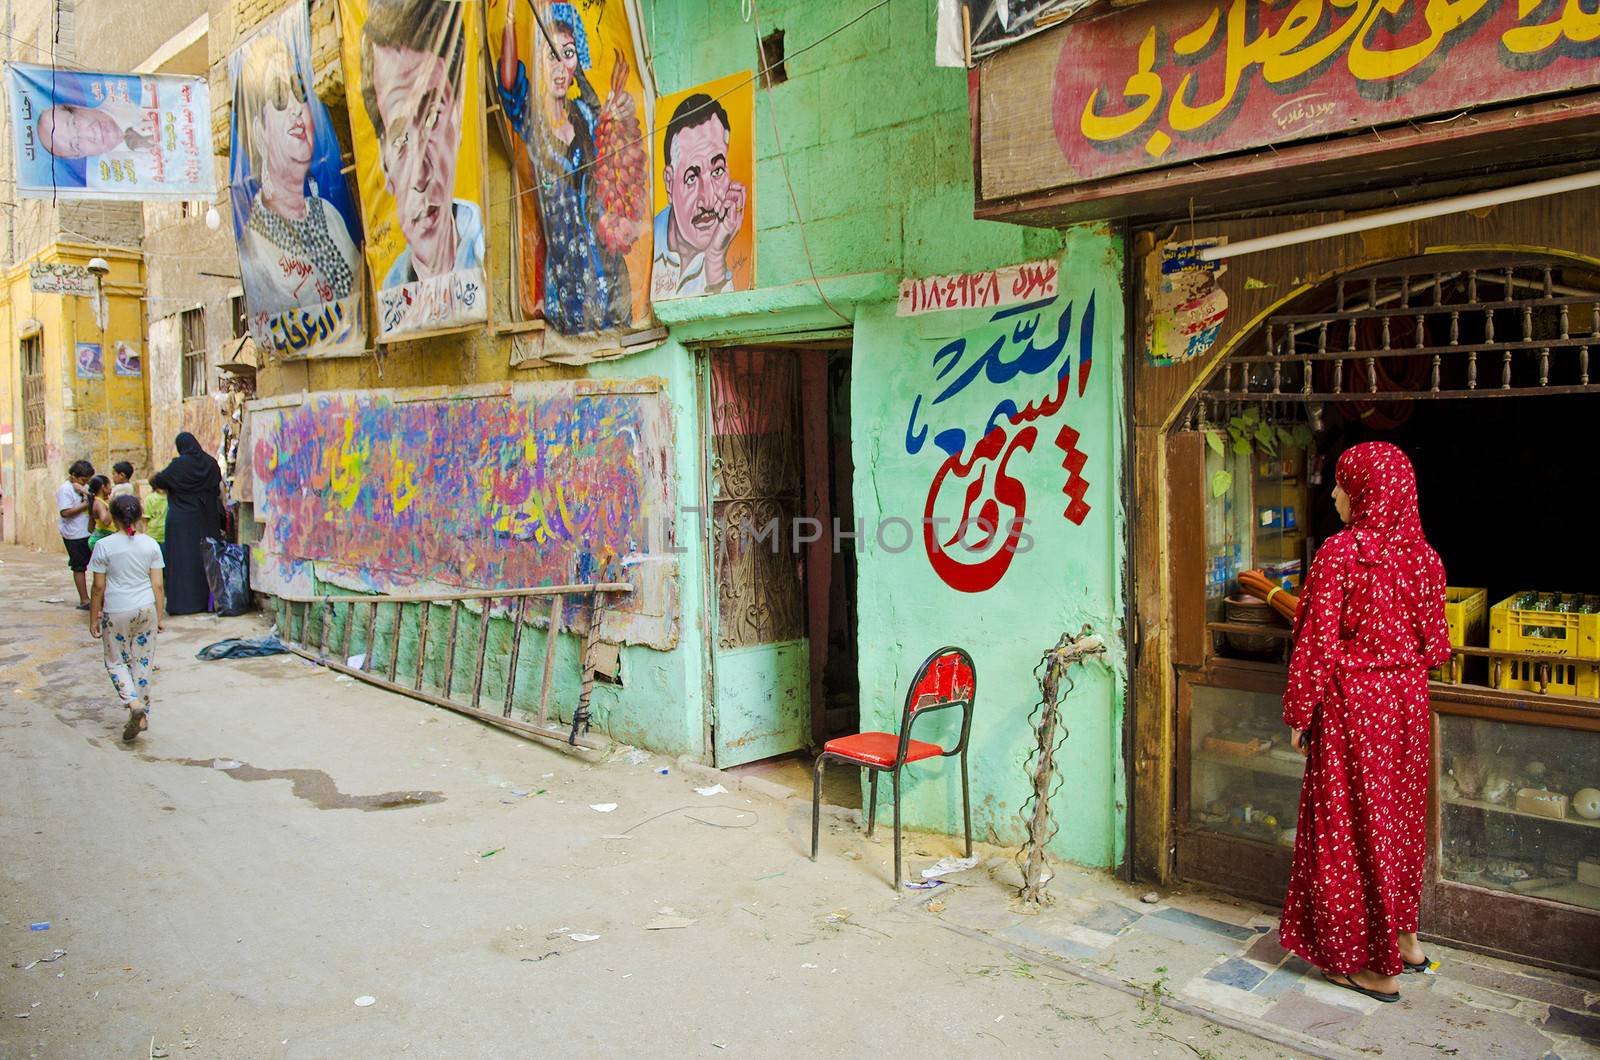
pixel 1261 763
pixel 1491 807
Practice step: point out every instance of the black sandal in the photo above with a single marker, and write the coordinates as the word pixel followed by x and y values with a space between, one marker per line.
pixel 1351 984
pixel 130 731
pixel 1422 967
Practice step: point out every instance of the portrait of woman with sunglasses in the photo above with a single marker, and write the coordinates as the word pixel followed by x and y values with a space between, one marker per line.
pixel 295 249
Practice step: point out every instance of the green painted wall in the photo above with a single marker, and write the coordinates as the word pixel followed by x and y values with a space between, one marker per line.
pixel 877 146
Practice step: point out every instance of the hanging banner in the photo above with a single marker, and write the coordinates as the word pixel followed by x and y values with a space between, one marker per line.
pixel 704 190
pixel 582 156
pixel 81 134
pixel 296 223
pixel 412 78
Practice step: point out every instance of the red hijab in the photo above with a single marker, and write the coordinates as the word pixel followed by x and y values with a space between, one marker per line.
pixel 1382 487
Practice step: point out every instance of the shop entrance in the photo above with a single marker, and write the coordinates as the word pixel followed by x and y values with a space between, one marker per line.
pixel 782 587
pixel 1482 367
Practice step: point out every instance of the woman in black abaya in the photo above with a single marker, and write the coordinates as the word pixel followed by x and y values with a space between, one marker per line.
pixel 194 512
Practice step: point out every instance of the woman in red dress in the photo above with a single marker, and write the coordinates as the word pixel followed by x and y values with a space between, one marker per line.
pixel 1371 624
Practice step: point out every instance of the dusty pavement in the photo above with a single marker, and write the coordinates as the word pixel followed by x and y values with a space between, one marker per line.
pixel 369 846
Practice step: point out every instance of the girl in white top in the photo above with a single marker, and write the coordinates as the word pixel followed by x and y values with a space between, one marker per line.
pixel 127 609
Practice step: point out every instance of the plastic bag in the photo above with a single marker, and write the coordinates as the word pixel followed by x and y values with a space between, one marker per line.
pixel 228 574
pixel 242 648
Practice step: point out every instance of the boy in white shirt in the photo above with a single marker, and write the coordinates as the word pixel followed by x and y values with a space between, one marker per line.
pixel 72 511
pixel 128 608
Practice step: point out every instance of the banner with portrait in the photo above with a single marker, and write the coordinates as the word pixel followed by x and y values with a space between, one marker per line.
pixel 295 219
pixel 82 134
pixel 705 190
pixel 413 78
pixel 577 111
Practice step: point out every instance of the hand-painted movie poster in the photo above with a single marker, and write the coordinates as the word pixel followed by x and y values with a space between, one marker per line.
pixel 579 115
pixel 704 194
pixel 413 78
pixel 296 222
pixel 85 135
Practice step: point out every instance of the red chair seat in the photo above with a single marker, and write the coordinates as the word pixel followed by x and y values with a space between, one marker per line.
pixel 878 748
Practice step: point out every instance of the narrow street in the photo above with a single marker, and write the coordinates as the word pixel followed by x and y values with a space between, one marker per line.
pixel 369 846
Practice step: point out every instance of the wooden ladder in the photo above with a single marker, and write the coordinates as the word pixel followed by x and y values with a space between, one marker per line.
pixel 319 614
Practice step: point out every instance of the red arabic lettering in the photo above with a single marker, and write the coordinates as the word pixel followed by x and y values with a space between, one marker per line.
pixel 976 577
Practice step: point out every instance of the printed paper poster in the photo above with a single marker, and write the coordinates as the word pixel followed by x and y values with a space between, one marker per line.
pixel 128 361
pixel 704 190
pixel 578 114
pixel 83 134
pixel 295 220
pixel 413 80
pixel 90 364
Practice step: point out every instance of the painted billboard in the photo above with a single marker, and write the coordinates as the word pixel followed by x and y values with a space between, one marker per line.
pixel 705 190
pixel 412 71
pixel 533 484
pixel 1142 88
pixel 83 134
pixel 578 113
pixel 297 226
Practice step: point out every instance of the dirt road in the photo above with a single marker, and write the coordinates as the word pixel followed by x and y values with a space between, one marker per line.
pixel 282 843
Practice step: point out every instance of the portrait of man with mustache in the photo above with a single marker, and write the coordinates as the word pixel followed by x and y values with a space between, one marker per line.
pixel 705 207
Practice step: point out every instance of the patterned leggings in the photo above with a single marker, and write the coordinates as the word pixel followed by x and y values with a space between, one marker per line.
pixel 130 642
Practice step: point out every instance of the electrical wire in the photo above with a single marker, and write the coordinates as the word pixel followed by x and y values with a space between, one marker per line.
pixel 783 162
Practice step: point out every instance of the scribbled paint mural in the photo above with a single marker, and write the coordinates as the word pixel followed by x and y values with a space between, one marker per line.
pixel 536 484
pixel 1017 374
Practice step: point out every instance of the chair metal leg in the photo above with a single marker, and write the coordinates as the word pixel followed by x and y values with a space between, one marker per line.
pixel 896 831
pixel 816 804
pixel 872 803
pixel 966 802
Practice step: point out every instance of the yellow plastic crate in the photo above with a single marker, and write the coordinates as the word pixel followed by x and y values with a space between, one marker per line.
pixel 1548 633
pixel 1467 612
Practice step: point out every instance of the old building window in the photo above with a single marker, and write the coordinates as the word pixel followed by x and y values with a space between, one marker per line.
pixel 33 399
pixel 194 352
pixel 236 308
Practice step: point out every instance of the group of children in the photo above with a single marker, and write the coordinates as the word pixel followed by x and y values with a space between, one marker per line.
pixel 110 534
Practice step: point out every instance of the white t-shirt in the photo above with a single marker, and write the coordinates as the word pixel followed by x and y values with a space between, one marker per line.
pixel 126 562
pixel 67 496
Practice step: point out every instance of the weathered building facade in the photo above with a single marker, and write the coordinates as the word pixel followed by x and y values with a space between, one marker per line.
pixel 905 432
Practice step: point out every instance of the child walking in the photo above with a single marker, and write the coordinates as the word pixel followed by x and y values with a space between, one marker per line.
pixel 127 608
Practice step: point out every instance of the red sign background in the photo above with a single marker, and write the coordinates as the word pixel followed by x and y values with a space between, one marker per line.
pixel 1162 84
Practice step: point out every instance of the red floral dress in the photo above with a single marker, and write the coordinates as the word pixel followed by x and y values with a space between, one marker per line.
pixel 1371 624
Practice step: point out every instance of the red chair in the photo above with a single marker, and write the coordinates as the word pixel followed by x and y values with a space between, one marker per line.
pixel 946 678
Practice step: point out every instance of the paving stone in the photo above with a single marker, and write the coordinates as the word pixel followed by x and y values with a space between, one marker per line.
pixel 1237 973
pixel 1527 986
pixel 1220 995
pixel 1280 982
pixel 1206 923
pixel 1321 990
pixel 1143 958
pixel 1430 1023
pixel 1028 935
pixel 1307 1015
pixel 1212 908
pixel 1479 997
pixel 1266 950
pixel 1180 931
pixel 1110 918
pixel 1578 1024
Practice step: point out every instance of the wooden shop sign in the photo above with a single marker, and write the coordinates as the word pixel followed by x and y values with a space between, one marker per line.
pixel 1166 84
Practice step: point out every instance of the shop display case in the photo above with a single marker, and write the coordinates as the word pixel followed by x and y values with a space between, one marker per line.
pixel 1519 809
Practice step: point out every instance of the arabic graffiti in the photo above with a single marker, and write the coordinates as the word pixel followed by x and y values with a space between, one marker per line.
pixel 977 489
pixel 502 490
pixel 1209 78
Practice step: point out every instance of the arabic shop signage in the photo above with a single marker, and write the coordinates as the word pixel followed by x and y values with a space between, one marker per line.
pixel 1162 84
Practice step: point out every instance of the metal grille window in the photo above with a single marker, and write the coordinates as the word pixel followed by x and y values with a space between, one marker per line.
pixel 194 352
pixel 1445 327
pixel 33 407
